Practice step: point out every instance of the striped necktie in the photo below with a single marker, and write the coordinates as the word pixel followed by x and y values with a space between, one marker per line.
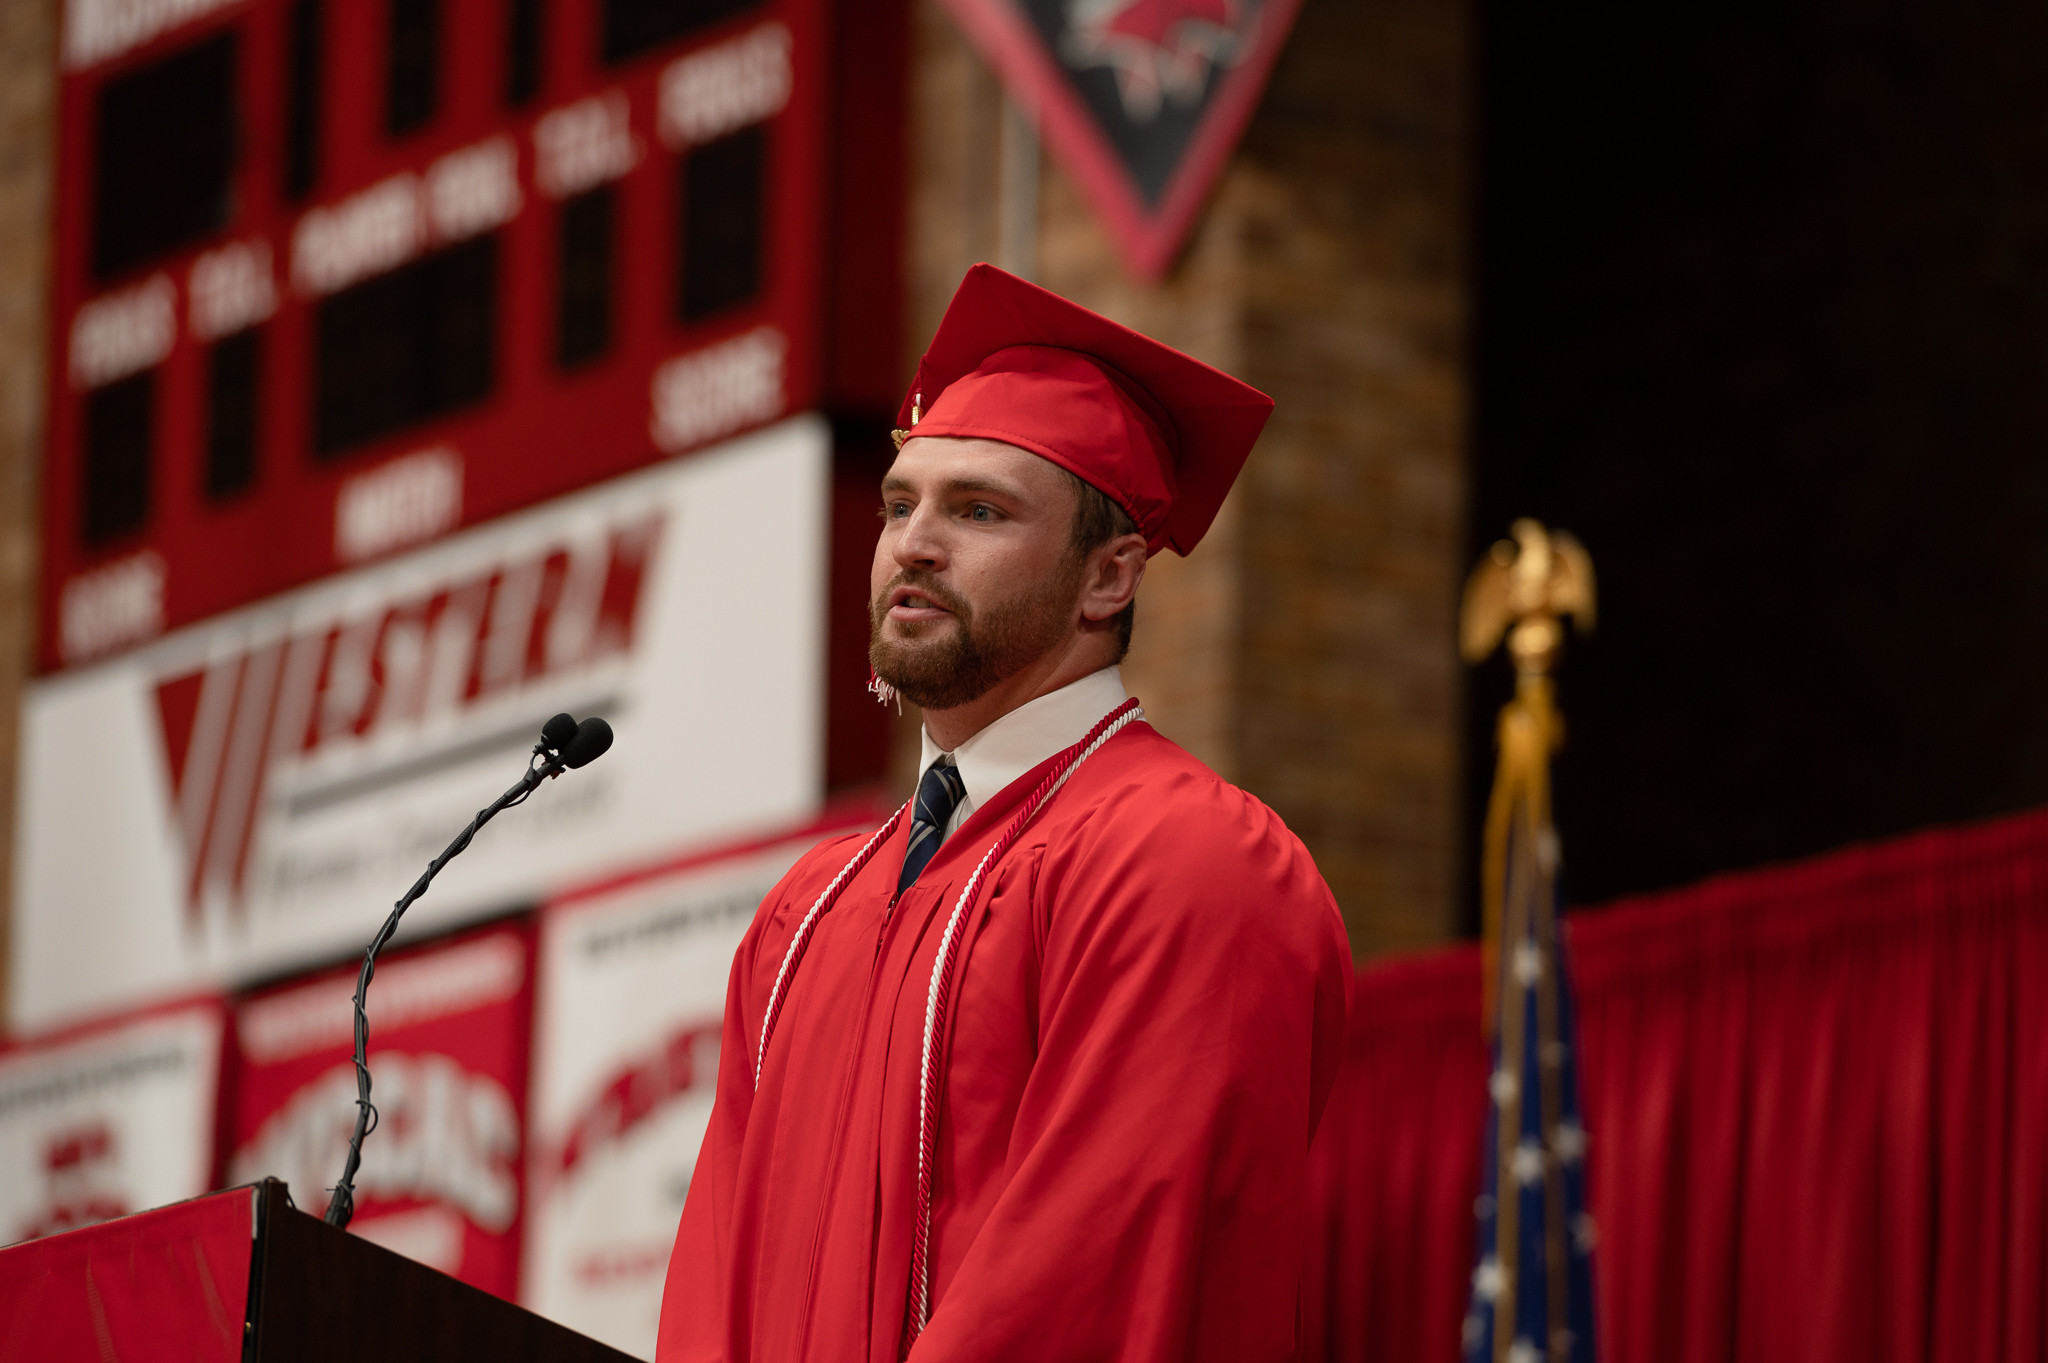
pixel 938 795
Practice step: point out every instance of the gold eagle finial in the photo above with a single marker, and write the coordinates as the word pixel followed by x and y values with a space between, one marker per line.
pixel 1520 589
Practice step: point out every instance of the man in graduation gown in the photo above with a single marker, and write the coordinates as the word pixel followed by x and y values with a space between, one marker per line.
pixel 1032 1073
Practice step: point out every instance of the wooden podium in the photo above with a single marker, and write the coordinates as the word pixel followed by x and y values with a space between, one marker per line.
pixel 242 1276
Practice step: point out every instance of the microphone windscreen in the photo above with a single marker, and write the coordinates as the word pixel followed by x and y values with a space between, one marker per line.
pixel 558 732
pixel 593 738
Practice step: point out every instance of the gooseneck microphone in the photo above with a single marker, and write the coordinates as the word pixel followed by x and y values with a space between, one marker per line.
pixel 593 738
pixel 564 745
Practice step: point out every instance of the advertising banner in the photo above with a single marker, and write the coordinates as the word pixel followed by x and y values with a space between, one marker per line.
pixel 441 1172
pixel 249 795
pixel 626 1036
pixel 109 1119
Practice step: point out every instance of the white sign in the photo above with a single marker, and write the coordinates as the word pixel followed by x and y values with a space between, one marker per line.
pixel 411 499
pixel 720 388
pixel 380 228
pixel 724 88
pixel 97 30
pixel 113 1122
pixel 582 145
pixel 250 794
pixel 230 289
pixel 626 1034
pixel 124 333
pixel 121 603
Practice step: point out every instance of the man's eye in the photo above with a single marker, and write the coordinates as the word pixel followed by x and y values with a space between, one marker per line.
pixel 895 511
pixel 982 513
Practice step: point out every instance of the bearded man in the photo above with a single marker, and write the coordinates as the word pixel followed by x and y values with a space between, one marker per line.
pixel 1031 1073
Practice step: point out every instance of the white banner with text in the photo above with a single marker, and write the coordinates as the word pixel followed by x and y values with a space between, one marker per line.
pixel 248 796
pixel 631 997
pixel 109 1120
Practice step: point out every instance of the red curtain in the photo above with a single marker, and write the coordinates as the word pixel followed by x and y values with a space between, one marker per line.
pixel 1818 1104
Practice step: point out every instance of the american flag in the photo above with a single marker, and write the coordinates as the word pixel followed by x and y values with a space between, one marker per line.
pixel 1532 1276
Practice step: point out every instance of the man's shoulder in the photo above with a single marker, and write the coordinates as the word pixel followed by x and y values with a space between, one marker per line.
pixel 1142 772
pixel 1142 784
pixel 816 867
pixel 1152 834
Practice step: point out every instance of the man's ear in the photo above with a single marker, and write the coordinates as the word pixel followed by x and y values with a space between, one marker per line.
pixel 1114 571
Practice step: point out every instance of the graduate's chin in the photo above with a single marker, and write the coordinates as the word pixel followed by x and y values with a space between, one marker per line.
pixel 931 673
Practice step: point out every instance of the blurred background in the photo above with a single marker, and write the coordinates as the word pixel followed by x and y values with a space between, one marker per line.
pixel 378 377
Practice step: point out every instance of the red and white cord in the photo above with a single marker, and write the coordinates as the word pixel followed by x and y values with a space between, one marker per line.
pixel 939 995
pixel 802 941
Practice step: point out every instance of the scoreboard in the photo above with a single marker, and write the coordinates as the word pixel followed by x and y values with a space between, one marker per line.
pixel 334 278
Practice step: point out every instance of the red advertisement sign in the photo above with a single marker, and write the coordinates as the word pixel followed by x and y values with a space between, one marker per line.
pixel 333 280
pixel 441 1178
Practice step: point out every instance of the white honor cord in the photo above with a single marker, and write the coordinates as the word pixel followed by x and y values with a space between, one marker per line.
pixel 803 935
pixel 931 1003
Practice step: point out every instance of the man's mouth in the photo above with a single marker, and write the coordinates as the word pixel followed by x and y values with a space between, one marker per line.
pixel 907 604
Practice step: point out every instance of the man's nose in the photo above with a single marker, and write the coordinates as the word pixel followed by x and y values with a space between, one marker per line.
pixel 920 544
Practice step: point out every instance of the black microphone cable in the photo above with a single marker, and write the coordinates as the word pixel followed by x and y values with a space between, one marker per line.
pixel 564 745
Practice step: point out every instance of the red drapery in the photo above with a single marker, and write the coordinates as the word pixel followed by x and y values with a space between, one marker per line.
pixel 1818 1104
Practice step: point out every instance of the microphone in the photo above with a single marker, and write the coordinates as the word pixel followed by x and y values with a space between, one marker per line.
pixel 564 745
pixel 557 732
pixel 592 740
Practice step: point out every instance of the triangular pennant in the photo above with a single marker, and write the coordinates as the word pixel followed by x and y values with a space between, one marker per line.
pixel 1141 100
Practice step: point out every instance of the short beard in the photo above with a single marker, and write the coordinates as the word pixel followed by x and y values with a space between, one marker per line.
pixel 964 659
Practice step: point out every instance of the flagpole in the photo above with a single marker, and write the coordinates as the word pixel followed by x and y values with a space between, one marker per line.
pixel 1521 591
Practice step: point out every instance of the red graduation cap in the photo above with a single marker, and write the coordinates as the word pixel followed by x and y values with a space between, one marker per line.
pixel 1162 434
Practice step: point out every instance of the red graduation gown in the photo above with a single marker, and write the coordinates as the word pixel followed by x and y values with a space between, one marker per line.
pixel 1144 1027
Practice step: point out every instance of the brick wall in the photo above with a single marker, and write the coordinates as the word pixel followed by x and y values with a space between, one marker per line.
pixel 1306 649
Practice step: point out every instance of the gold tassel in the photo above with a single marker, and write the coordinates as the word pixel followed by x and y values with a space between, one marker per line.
pixel 899 435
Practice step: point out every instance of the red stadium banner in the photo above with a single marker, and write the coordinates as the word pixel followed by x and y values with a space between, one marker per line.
pixel 442 1174
pixel 626 1037
pixel 1141 100
pixel 112 1117
pixel 332 280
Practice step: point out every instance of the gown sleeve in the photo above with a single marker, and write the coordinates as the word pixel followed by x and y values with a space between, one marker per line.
pixel 1194 982
pixel 697 1295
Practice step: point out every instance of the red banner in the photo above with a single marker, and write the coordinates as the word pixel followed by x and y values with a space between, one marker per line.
pixel 441 1178
pixel 1141 100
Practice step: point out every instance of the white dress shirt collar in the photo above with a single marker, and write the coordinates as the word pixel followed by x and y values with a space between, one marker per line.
pixel 1025 737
